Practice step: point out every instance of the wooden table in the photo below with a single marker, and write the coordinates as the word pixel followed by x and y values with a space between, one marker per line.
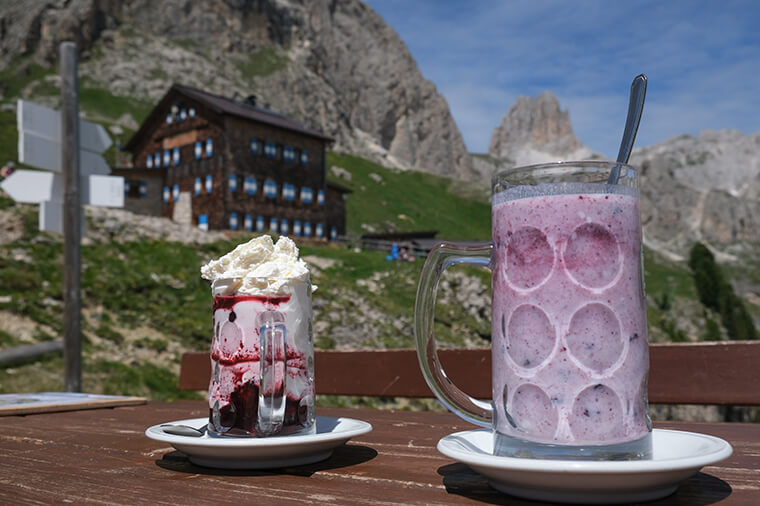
pixel 102 456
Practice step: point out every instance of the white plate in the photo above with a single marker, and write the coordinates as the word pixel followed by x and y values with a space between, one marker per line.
pixel 676 457
pixel 262 453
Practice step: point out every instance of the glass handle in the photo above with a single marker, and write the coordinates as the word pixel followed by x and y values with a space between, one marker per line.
pixel 440 258
pixel 273 366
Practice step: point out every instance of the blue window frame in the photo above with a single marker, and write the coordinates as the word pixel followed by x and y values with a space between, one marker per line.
pixel 297 228
pixel 203 222
pixel 307 229
pixel 270 189
pixel 255 147
pixel 288 192
pixel 250 187
pixel 284 227
pixel 197 186
pixel 149 162
pixel 248 223
pixel 320 230
pixel 273 225
pixel 307 195
pixel 233 221
pixel 126 187
pixel 175 156
pixel 233 182
pixel 288 154
pixel 198 150
pixel 167 194
pixel 175 192
pixel 333 233
pixel 209 147
pixel 321 197
pixel 167 158
pixel 169 119
pixel 157 160
pixel 183 114
pixel 259 224
pixel 143 188
pixel 270 150
pixel 191 112
pixel 209 184
pixel 304 157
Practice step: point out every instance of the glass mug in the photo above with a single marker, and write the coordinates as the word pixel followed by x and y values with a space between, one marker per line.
pixel 262 363
pixel 570 353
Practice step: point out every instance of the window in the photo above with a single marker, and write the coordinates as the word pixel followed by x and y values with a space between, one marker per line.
pixel 333 233
pixel 143 188
pixel 307 229
pixel 191 112
pixel 259 224
pixel 175 192
pixel 149 162
pixel 270 150
pixel 288 154
pixel 320 230
pixel 307 196
pixel 167 158
pixel 198 150
pixel 183 114
pixel 304 157
pixel 248 223
pixel 288 192
pixel 175 156
pixel 284 227
pixel 233 182
pixel 270 189
pixel 209 147
pixel 233 221
pixel 169 119
pixel 209 183
pixel 321 197
pixel 255 147
pixel 297 228
pixel 197 187
pixel 126 187
pixel 157 160
pixel 273 225
pixel 250 187
pixel 203 222
pixel 167 194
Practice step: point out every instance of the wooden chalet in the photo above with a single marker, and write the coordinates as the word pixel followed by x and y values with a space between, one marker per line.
pixel 219 163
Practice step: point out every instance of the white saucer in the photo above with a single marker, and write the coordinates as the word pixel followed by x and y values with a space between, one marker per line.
pixel 676 457
pixel 262 453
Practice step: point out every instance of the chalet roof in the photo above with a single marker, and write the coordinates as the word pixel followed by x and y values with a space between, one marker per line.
pixel 224 105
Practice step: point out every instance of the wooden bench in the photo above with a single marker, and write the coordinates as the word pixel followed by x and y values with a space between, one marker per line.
pixel 723 373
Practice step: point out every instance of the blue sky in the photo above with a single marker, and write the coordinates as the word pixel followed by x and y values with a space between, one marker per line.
pixel 702 60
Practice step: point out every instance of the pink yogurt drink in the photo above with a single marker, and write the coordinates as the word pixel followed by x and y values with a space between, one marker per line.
pixel 570 350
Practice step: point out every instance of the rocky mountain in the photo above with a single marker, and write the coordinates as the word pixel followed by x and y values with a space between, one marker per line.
pixel 334 65
pixel 535 130
pixel 704 188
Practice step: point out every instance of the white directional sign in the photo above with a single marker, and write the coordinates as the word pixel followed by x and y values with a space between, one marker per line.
pixel 37 186
pixel 39 145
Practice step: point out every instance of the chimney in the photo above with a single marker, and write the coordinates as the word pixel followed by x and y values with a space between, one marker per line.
pixel 251 100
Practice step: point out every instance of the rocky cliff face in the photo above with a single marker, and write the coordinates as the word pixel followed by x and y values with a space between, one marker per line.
pixel 704 188
pixel 536 130
pixel 334 65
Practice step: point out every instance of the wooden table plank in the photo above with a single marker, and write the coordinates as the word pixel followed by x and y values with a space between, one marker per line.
pixel 103 457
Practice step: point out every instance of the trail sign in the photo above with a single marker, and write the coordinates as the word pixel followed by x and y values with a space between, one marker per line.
pixel 39 145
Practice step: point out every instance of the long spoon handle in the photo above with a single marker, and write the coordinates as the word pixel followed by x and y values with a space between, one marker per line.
pixel 635 108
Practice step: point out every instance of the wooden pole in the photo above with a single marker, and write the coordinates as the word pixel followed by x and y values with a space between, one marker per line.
pixel 72 232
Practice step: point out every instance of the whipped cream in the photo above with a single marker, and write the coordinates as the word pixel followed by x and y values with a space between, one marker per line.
pixel 258 267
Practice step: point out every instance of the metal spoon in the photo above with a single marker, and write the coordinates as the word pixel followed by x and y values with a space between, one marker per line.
pixel 635 108
pixel 183 430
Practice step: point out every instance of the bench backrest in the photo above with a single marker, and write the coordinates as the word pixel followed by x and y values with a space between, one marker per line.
pixel 726 373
